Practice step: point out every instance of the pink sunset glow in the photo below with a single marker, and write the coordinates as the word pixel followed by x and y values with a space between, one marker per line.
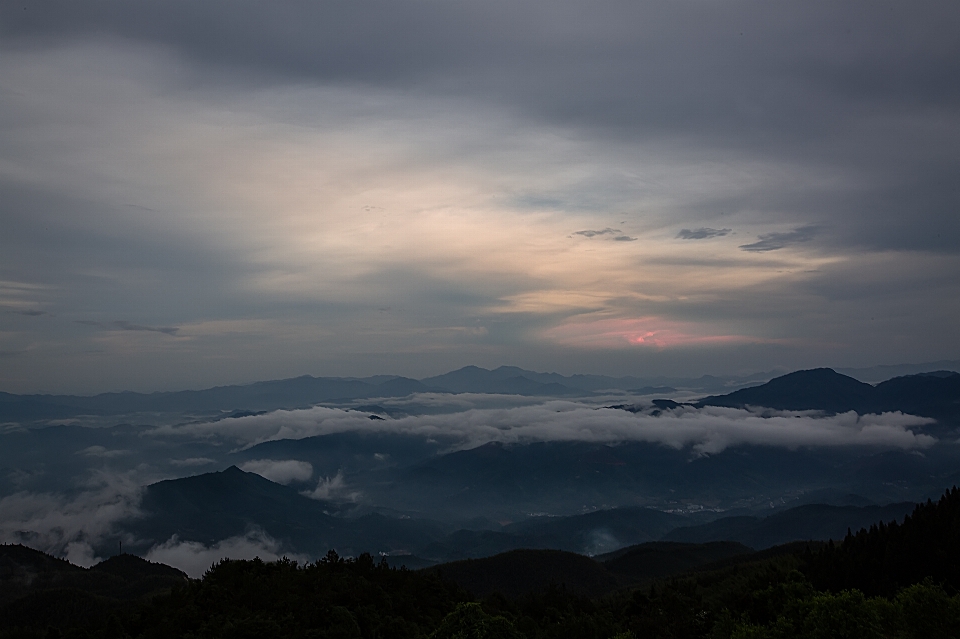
pixel 657 332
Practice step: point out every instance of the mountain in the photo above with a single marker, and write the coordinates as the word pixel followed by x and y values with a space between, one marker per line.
pixel 934 394
pixel 817 389
pixel 508 482
pixel 504 380
pixel 24 572
pixel 600 531
pixel 211 507
pixel 298 392
pixel 349 452
pixel 807 522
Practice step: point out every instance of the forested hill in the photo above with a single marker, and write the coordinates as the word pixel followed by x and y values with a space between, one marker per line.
pixel 887 557
pixel 891 581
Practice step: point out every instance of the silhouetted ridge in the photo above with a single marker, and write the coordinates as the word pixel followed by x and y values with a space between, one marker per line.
pixel 933 395
pixel 519 572
pixel 130 566
pixel 657 559
pixel 816 389
pixel 890 556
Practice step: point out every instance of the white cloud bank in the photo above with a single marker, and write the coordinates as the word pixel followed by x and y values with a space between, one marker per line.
pixel 281 471
pixel 708 430
pixel 195 558
pixel 333 489
pixel 69 527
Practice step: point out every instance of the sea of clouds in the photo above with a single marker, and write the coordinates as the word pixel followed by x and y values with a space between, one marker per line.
pixel 74 523
pixel 707 430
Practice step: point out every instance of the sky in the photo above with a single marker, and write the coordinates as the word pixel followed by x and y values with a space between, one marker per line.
pixel 195 194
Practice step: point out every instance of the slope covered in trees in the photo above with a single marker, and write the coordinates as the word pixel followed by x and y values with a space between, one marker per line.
pixel 893 580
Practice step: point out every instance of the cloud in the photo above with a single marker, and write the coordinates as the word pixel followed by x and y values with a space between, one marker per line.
pixel 606 231
pixel 702 233
pixel 101 451
pixel 192 461
pixel 707 430
pixel 776 241
pixel 657 332
pixel 624 238
pixel 121 325
pixel 458 144
pixel 195 558
pixel 70 526
pixel 282 471
pixel 333 489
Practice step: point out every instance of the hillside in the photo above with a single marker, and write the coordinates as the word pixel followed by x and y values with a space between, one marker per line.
pixel 934 395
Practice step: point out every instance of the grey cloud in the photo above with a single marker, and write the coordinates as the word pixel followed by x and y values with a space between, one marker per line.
pixel 194 558
pixel 703 233
pixel 333 489
pixel 776 241
pixel 128 326
pixel 192 461
pixel 865 100
pixel 825 84
pixel 30 313
pixel 624 238
pixel 69 526
pixel 591 233
pixel 102 452
pixel 708 430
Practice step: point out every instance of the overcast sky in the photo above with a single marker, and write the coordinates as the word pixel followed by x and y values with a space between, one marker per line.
pixel 195 194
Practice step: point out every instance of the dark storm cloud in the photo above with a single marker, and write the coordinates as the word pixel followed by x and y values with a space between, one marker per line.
pixel 776 241
pixel 701 233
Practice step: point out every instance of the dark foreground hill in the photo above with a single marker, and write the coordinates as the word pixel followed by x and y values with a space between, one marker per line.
pixel 519 572
pixel 36 589
pixel 24 571
pixel 794 591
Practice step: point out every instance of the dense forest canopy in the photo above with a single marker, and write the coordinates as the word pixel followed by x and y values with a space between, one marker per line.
pixel 893 580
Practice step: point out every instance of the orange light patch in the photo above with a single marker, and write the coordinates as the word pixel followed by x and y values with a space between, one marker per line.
pixel 656 332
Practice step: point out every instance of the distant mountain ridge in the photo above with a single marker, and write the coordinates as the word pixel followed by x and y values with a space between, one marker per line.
pixel 935 394
pixel 820 389
pixel 214 506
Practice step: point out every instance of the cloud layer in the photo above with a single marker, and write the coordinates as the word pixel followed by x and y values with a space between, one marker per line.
pixel 70 525
pixel 707 430
pixel 195 558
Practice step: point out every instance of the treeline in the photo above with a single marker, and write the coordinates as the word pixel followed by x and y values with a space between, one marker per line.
pixel 893 581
